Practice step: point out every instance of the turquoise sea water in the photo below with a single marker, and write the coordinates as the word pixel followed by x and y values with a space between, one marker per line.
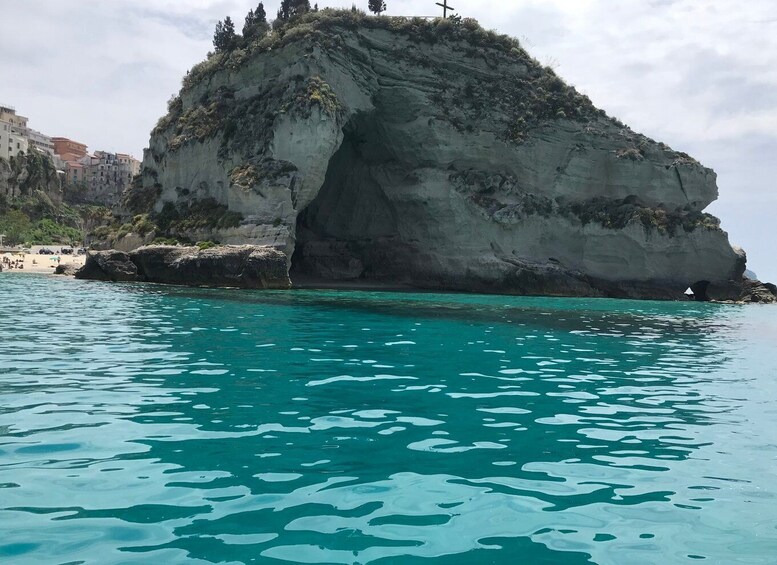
pixel 150 424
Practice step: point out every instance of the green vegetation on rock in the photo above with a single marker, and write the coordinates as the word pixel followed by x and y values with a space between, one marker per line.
pixel 500 198
pixel 35 220
pixel 245 176
pixel 203 245
pixel 245 123
pixel 311 93
pixel 202 121
pixel 528 94
pixel 320 26
pixel 196 215
pixel 24 174
pixel 32 210
pixel 19 229
pixel 617 214
pixel 140 199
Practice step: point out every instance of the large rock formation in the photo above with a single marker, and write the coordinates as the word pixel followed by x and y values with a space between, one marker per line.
pixel 25 175
pixel 113 266
pixel 244 267
pixel 432 154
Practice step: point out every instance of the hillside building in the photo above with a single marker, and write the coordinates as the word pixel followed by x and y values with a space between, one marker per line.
pixel 67 149
pixel 8 114
pixel 13 127
pixel 98 178
pixel 12 141
pixel 41 142
pixel 102 177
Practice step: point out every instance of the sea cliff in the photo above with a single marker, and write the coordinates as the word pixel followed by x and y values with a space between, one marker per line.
pixel 432 154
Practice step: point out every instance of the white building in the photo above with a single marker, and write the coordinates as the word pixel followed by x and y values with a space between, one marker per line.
pixel 16 137
pixel 40 141
pixel 12 141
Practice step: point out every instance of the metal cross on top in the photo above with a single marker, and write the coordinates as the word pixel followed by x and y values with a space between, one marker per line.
pixel 445 8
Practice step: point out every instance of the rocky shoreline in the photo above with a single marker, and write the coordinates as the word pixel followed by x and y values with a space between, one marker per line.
pixel 259 267
pixel 244 266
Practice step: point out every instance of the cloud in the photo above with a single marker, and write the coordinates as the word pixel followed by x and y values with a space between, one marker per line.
pixel 700 76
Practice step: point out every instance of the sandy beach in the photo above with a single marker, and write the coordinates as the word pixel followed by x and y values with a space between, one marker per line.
pixel 36 263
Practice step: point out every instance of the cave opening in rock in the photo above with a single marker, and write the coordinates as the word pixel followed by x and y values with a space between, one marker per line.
pixel 348 233
pixel 699 290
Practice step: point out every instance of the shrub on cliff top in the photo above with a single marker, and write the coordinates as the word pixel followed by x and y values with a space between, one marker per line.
pixel 292 8
pixel 526 96
pixel 256 23
pixel 306 23
pixel 224 37
pixel 377 6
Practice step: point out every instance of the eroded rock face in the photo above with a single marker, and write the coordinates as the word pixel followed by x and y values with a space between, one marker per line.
pixel 364 154
pixel 114 266
pixel 23 175
pixel 747 291
pixel 244 267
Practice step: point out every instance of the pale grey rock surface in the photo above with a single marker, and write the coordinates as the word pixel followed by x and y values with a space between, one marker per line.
pixel 373 156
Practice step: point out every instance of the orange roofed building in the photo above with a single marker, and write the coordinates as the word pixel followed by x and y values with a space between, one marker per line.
pixel 67 149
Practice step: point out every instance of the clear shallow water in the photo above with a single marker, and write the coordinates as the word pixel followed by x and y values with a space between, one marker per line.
pixel 147 424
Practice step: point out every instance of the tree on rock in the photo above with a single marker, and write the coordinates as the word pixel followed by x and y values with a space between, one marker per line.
pixel 256 23
pixel 377 6
pixel 224 37
pixel 249 23
pixel 260 14
pixel 292 8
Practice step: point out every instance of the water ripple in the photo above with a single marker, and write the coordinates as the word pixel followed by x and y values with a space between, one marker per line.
pixel 141 423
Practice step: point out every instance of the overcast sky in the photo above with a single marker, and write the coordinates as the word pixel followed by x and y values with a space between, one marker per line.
pixel 700 75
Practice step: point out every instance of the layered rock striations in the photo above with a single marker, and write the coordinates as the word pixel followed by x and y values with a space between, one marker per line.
pixel 432 154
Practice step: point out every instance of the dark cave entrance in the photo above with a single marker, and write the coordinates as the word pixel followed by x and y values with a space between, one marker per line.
pixel 348 234
pixel 699 290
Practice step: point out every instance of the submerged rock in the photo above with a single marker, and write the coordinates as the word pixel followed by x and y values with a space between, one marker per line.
pixel 429 154
pixel 244 267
